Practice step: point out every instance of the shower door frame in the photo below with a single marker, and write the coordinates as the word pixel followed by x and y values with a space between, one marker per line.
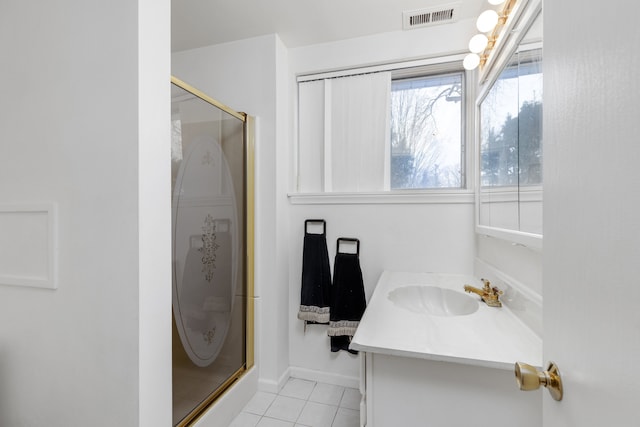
pixel 248 256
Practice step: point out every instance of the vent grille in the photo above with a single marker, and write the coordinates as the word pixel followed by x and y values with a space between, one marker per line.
pixel 427 17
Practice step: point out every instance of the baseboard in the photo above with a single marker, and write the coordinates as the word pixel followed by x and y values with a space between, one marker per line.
pixel 270 386
pixel 324 377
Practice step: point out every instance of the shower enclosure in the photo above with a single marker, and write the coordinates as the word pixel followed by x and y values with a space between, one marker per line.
pixel 212 245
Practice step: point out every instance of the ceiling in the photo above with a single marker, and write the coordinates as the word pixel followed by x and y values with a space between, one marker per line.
pixel 198 23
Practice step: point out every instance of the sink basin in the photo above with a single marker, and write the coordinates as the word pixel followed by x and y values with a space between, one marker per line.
pixel 433 300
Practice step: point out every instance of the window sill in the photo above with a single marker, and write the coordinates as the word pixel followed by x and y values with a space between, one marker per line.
pixel 387 197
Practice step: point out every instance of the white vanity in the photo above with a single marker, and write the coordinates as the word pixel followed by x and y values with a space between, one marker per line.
pixel 435 356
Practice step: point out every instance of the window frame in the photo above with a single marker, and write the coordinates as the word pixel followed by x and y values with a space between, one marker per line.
pixel 415 68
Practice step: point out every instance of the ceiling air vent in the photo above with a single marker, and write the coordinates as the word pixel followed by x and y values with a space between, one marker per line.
pixel 431 16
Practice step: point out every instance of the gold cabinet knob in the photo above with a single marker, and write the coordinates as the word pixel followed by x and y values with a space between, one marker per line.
pixel 530 378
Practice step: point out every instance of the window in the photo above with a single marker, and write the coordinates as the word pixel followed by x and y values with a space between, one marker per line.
pixel 426 132
pixel 392 129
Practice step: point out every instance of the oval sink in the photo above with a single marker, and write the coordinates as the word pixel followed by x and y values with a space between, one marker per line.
pixel 433 300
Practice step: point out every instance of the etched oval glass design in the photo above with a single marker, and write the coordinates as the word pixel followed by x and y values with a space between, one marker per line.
pixel 204 250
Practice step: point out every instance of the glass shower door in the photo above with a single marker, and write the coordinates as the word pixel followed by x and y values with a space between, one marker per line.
pixel 209 243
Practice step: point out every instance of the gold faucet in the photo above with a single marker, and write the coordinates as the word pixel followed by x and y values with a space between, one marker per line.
pixel 490 295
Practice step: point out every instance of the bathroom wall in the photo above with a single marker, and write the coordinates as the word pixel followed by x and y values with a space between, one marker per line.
pixel 516 261
pixel 79 107
pixel 422 236
pixel 400 237
pixel 517 271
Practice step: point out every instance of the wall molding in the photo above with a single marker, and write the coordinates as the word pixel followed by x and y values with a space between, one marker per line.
pixel 274 386
pixel 324 377
pixel 394 197
pixel 29 246
pixel 309 375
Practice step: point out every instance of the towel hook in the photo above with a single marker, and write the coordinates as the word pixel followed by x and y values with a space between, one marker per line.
pixel 348 240
pixel 315 221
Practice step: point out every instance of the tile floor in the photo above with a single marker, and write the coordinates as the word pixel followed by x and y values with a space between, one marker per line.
pixel 302 403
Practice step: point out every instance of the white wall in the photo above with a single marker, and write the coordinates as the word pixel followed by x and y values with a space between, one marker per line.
pixel 76 131
pixel 398 237
pixel 406 237
pixel 154 215
pixel 513 260
pixel 396 46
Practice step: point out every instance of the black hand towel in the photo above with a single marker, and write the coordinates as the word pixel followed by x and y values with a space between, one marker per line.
pixel 315 295
pixel 347 298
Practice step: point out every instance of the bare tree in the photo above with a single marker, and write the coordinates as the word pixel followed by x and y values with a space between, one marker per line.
pixel 416 141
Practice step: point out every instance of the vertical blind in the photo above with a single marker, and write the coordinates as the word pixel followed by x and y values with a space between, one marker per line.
pixel 343 134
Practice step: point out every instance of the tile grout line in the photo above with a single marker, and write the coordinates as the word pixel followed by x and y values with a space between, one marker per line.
pixel 333 419
pixel 338 408
pixel 315 384
pixel 305 400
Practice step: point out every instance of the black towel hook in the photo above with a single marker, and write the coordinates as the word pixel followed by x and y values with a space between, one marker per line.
pixel 315 221
pixel 348 240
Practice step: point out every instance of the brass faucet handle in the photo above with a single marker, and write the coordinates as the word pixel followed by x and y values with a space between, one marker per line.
pixel 489 289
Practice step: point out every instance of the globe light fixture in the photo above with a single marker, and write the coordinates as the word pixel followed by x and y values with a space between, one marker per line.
pixel 487 21
pixel 471 61
pixel 490 23
pixel 478 43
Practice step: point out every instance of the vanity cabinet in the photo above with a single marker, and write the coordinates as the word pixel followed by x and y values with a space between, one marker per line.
pixel 405 391
pixel 429 360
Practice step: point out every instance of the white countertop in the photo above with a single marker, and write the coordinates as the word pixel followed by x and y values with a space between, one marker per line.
pixel 490 337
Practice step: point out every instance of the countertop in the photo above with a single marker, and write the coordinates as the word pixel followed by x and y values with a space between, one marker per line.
pixel 490 337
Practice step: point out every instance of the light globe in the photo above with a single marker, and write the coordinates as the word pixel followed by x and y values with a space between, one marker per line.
pixel 478 43
pixel 487 21
pixel 471 61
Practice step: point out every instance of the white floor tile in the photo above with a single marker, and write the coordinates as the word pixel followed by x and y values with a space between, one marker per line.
pixel 245 419
pixel 327 393
pixel 300 389
pixel 346 418
pixel 285 408
pixel 272 422
pixel 302 403
pixel 260 402
pixel 317 415
pixel 351 399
